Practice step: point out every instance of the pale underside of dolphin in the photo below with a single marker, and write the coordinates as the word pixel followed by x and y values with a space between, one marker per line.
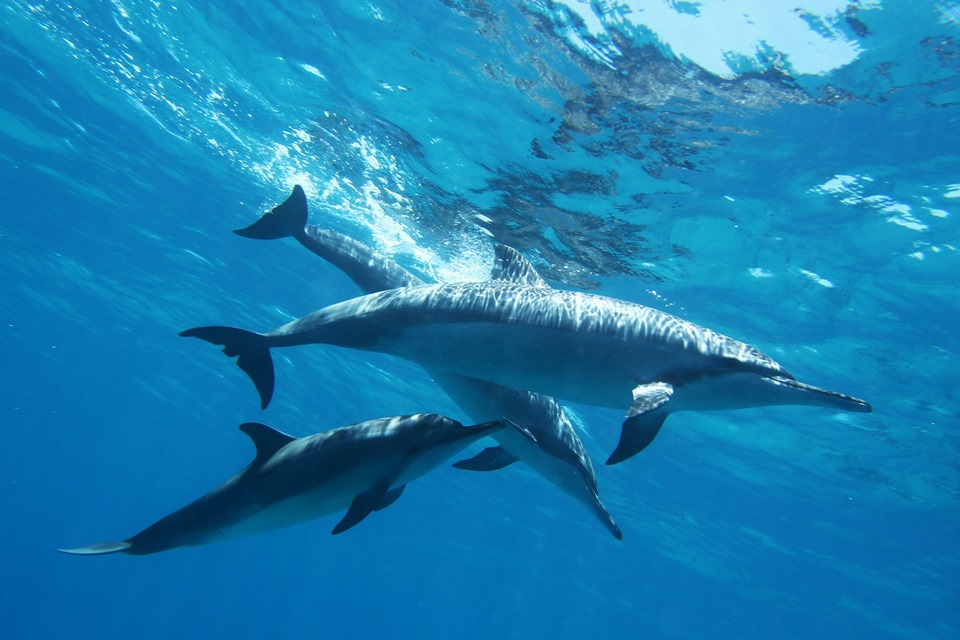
pixel 556 451
pixel 359 468
pixel 577 346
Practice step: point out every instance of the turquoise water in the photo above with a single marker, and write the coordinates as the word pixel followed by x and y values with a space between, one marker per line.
pixel 787 176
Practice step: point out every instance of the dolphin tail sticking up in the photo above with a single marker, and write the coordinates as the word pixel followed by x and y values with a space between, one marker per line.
pixel 251 351
pixel 287 219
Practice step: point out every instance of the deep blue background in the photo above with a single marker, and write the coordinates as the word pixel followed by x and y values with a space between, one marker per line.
pixel 133 138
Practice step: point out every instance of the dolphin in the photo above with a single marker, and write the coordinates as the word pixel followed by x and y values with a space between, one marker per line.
pixel 555 452
pixel 362 468
pixel 579 346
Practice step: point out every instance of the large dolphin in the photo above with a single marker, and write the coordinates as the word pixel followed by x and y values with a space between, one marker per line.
pixel 362 468
pixel 556 451
pixel 578 346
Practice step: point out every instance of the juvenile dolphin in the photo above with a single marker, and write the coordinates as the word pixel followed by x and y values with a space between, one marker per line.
pixel 362 468
pixel 579 346
pixel 556 451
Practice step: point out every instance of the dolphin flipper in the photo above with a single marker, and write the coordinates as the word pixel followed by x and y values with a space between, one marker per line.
pixel 636 433
pixel 253 356
pixel 287 219
pixel 98 549
pixel 643 420
pixel 490 459
pixel 366 503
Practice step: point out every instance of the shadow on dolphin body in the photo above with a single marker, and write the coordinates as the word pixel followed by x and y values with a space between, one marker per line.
pixel 578 346
pixel 360 468
pixel 557 453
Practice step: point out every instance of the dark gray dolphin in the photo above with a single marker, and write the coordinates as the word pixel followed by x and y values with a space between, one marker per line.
pixel 579 346
pixel 556 451
pixel 362 468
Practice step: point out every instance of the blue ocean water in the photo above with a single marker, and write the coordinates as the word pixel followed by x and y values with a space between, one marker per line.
pixel 787 174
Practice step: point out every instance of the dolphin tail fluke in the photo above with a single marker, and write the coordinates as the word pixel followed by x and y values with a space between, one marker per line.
pixel 285 220
pixel 98 549
pixel 251 351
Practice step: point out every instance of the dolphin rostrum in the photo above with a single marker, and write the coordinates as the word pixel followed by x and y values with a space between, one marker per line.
pixel 556 452
pixel 362 468
pixel 578 346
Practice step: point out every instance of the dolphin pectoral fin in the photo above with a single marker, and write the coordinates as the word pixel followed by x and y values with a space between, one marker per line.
pixel 366 503
pixel 251 350
pixel 285 220
pixel 490 459
pixel 637 432
pixel 98 549
pixel 390 497
pixel 649 397
pixel 643 420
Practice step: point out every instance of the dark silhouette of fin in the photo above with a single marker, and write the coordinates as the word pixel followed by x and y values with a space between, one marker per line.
pixel 266 439
pixel 642 424
pixel 251 351
pixel 287 219
pixel 366 503
pixel 637 432
pixel 490 459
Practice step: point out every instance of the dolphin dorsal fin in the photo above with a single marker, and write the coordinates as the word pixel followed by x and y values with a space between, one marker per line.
pixel 510 266
pixel 266 439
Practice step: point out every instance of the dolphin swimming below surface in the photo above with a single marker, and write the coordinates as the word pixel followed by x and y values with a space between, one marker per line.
pixel 556 453
pixel 577 346
pixel 362 468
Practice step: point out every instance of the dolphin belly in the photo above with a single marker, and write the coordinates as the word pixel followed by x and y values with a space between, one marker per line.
pixel 582 368
pixel 297 509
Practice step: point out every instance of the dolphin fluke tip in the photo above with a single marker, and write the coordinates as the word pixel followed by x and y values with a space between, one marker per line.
pixel 285 220
pixel 253 355
pixel 98 549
